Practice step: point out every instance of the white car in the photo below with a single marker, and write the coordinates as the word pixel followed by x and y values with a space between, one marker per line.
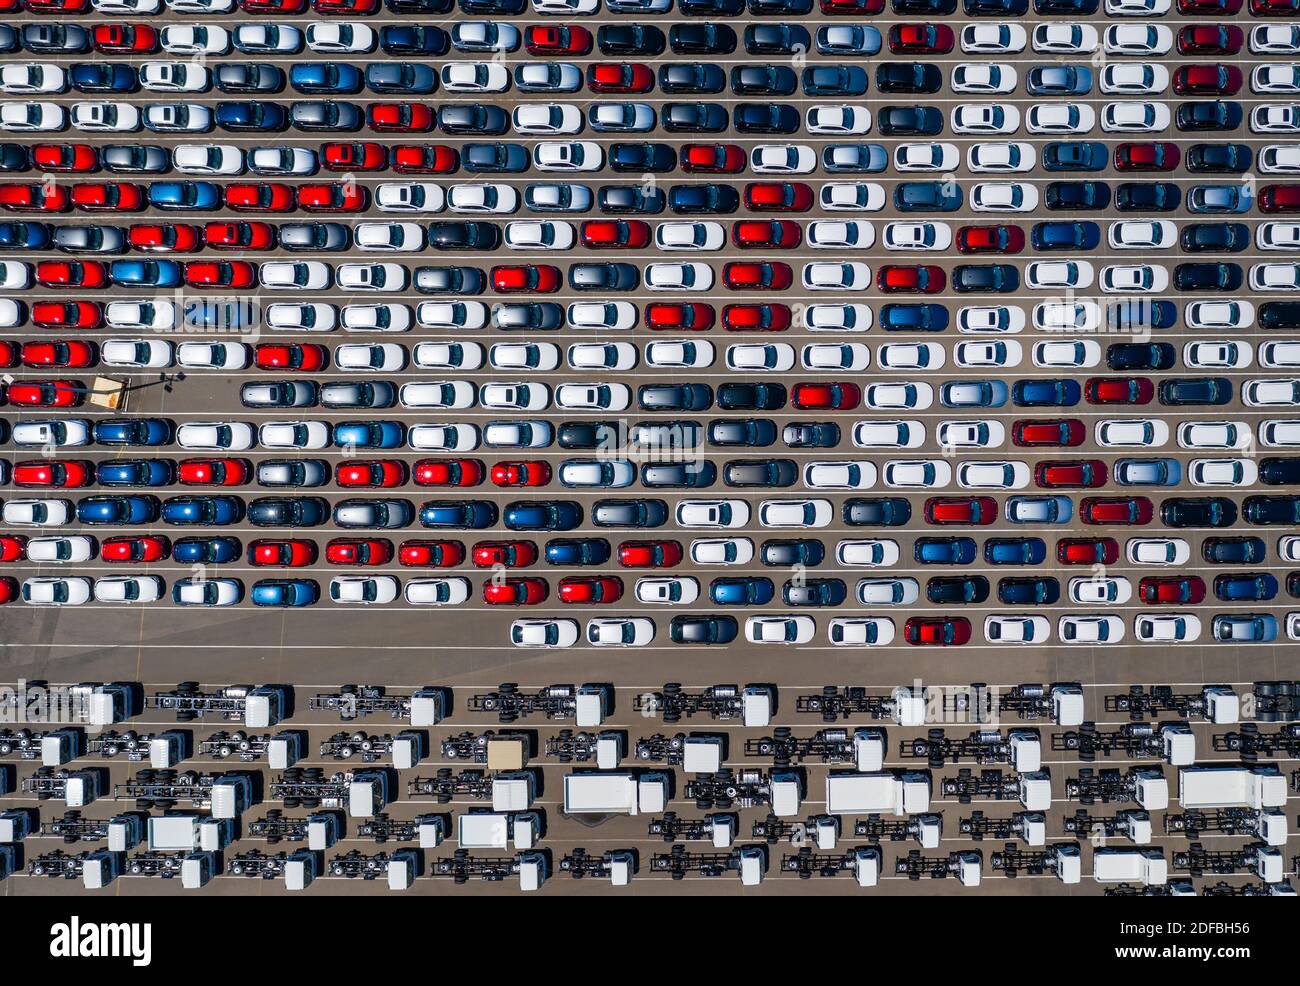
pixel 851 356
pixel 1288 547
pixel 917 236
pixel 1167 628
pixel 861 631
pixel 295 275
pixel 1279 433
pixel 993 475
pixel 1138 8
pixel 53 590
pixel 1071 353
pixel 839 475
pixel 375 318
pixel 1275 39
pixel 994 37
pixel 372 277
pixel 1058 275
pixel 389 237
pixel 1222 472
pixel 173 77
pixel 451 591
pixel 1138 39
pixel 1218 354
pixel 444 437
pixel 1133 279
pixel 106 117
pixel 1142 234
pixel 1214 435
pixel 712 513
pixel 1065 38
pixel 478 77
pixel 926 157
pixel 208 159
pixel 1275 277
pixel 33 79
pixel 869 553
pixel 722 551
pixel 593 397
pixel 837 318
pixel 844 196
pixel 544 633
pixel 1002 319
pixel 888 592
pixel 1060 118
pixel 795 513
pixel 620 631
pixel 986 79
pixel 194 39
pixel 282 161
pixel 679 277
pixel 679 591
pixel 1133 79
pixel 145 353
pixel 911 396
pixel 177 117
pixel 680 353
pixel 515 396
pixel 1134 117
pixel 1016 629
pixel 1278 236
pixel 37 512
pixel 971 434
pixel 1275 79
pixel 609 316
pixel 62 433
pixel 838 120
pixel 1158 551
pixel 216 436
pixel 888 434
pixel 596 473
pixel 380 357
pixel 1285 355
pixel 985 118
pixel 780 629
pixel 129 589
pixel 448 355
pixel 1132 433
pixel 317 317
pixel 528 235
pixel 995 352
pixel 690 236
pixel 452 315
pixel 1280 159
pixel 547 118
pixel 1001 157
pixel 214 355
pixel 206 592
pixel 1078 316
pixel 482 197
pixel 439 394
pixel 783 159
pixel 365 590
pixel 70 550
pixel 577 155
pixel 34 117
pixel 911 356
pixel 832 234
pixel 772 357
pixel 920 474
pixel 602 356
pixel 851 276
pixel 1004 197
pixel 1275 118
pixel 1271 393
pixel 409 196
pixel 312 435
pixel 1090 629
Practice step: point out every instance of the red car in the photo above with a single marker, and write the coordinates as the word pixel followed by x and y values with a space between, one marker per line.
pixel 1175 590
pixel 1070 474
pixel 359 551
pixel 134 39
pixel 220 274
pixel 1118 390
pixel 672 316
pixel 346 7
pixel 149 547
pixel 529 473
pixel 72 274
pixel 109 196
pixel 761 275
pixel 557 39
pixel 1154 156
pixel 1134 510
pixel 8 589
pixel 1272 8
pixel 650 554
pixel 851 8
pixel 1087 551
pixel 354 156
pixel 424 159
pixel 1210 39
pixel 46 393
pixel 508 554
pixel 10 353
pixel 923 278
pixel 448 472
pixel 936 631
pixel 1207 80
pixel 1279 198
pixel 1056 432
pixel 306 357
pixel 921 39
pixel 263 196
pixel 778 196
pixel 825 396
pixel 60 353
pixel 591 589
pixel 57 6
pixel 72 158
pixel 431 554
pixel 67 314
pixel 400 117
pixel 961 510
pixel 713 158
pixel 288 553
pixel 54 473
pixel 333 197
pixel 620 77
pixel 152 238
pixel 615 234
pixel 35 197
pixel 239 236
pixel 526 279
pixel 756 318
pixel 214 472
pixel 13 547
pixel 990 239
pixel 381 473
pixel 273 6
pixel 760 234
pixel 516 592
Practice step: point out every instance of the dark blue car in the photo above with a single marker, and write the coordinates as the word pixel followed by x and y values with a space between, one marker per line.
pixel 927 196
pixel 204 511
pixel 146 273
pixel 285 592
pixel 134 431
pixel 134 509
pixel 177 195
pixel 1045 393
pixel 206 551
pixel 248 115
pixel 136 472
pixel 1075 155
pixel 577 551
pixel 24 236
pixel 1247 587
pixel 913 318
pixel 472 514
pixel 325 78
pixel 542 515
pixel 944 551
pixel 1065 236
pixel 1015 551
pixel 414 39
pixel 104 77
pixel 369 434
pixel 742 591
pixel 1043 591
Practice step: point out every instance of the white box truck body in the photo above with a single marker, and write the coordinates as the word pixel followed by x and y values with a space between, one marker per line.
pixel 1231 786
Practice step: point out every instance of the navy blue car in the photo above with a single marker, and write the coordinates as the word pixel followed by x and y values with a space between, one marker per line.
pixel 136 508
pixel 944 551
pixel 1065 236
pixel 1247 587
pixel 913 318
pixel 927 196
pixel 577 551
pixel 207 551
pixel 252 115
pixel 1015 551
pixel 542 515
pixel 108 77
pixel 1045 393
pixel 203 511
pixel 471 514
pixel 285 592
pixel 1041 591
pixel 134 431
pixel 1075 155
pixel 136 472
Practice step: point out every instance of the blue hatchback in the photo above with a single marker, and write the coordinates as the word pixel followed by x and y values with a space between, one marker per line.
pixel 104 77
pixel 1065 236
pixel 134 431
pixel 206 551
pixel 285 592
pixel 369 434
pixel 1045 393
pixel 944 551
pixel 135 509
pixel 472 514
pixel 577 551
pixel 252 115
pixel 177 195
pixel 913 318
pixel 136 472
pixel 542 515
pixel 325 78
pixel 742 591
pixel 1075 155
pixel 1015 551
pixel 204 511
pixel 146 273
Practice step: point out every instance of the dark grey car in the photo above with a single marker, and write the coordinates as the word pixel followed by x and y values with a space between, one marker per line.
pixel 135 158
pixel 675 396
pixel 314 236
pixel 327 114
pixel 347 393
pixel 248 77
pixel 400 78
pixel 293 472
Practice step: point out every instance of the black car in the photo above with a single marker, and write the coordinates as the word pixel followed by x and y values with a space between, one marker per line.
pixel 704 199
pixel 1208 277
pixel 697 474
pixel 1090 195
pixel 606 435
pixel 674 397
pixel 763 80
pixel 814 592
pixel 630 198
pixel 1147 196
pixel 631 39
pixel 299 511
pixel 1140 356
pixel 641 512
pixel 1279 315
pixel 925 7
pixel 751 396
pixel 1026 591
pixel 702 39
pixel 692 77
pixel 414 39
pixel 1198 511
pixel 877 511
pixel 1270 510
pixel 760 472
pixel 495 158
pixel 1214 237
pixel 1185 391
pixel 766 118
pixel 464 236
pixel 703 629
pixel 811 434
pixel 1208 115
pixel 642 157
pixel 776 39
pixel 1068 8
pixel 1218 159
pixel 996 8
pixel 694 117
pixel 1138 313
pixel 909 121
pixel 449 280
pixel 1234 550
pixel 795 551
pixel 985 277
pixel 706 8
pixel 835 80
pixel 474 118
pixel 13 158
pixel 957 589
pixel 912 77
pixel 604 277
pixel 741 432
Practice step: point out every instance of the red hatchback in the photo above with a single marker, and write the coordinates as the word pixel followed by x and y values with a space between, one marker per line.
pixel 354 156
pixel 1056 433
pixel 922 278
pixel 778 196
pixel 448 472
pixel 557 39
pixel 220 274
pixel 921 39
pixel 109 196
pixel 757 276
pixel 288 553
pixel 46 393
pixel 1207 80
pixel 359 551
pixel 306 357
pixel 826 396
pixel 756 318
pixel 591 589
pixel 72 353
pixel 961 510
pixel 33 197
pixel 431 554
pixel 622 77
pixel 937 631
pixel 1210 39
pixel 165 239
pixel 1118 390
pixel 671 316
pixel 509 554
pixel 615 234
pixel 650 554
pixel 239 236
pixel 990 239
pixel 67 315
pixel 54 474
pixel 76 158
pixel 374 473
pixel 1070 474
pixel 1134 511
pixel 336 197
pixel 72 274
pixel 214 472
pixel 13 547
pixel 400 117
pixel 762 234
pixel 526 279
pixel 528 473
pixel 1279 198
pixel 1158 155
pixel 713 158
pixel 424 159
pixel 146 548
pixel 134 39
pixel 1087 551
pixel 1171 590
pixel 516 592
pixel 260 197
